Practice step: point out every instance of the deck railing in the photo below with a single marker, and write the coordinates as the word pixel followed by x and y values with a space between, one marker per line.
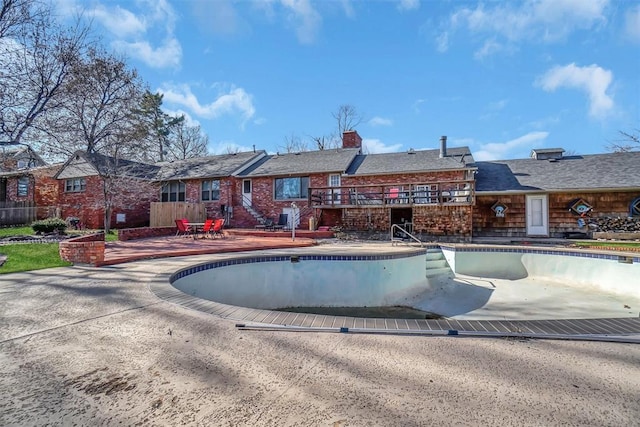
pixel 427 193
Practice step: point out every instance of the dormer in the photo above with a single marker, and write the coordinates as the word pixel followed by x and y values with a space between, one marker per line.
pixel 547 153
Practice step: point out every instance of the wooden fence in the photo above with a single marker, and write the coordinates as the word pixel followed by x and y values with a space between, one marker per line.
pixel 164 214
pixel 17 213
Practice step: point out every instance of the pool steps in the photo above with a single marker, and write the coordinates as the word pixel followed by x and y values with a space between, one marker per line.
pixel 436 264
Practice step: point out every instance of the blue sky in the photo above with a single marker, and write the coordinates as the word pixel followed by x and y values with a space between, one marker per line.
pixel 499 77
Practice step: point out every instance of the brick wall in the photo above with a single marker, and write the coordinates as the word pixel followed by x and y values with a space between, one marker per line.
pixel 87 249
pixel 263 201
pixel 561 220
pixel 142 232
pixel 133 201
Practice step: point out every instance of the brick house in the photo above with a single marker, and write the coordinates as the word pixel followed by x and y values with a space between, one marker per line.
pixel 90 184
pixel 28 190
pixel 553 195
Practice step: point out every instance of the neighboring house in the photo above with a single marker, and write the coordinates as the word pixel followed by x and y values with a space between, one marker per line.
pixel 89 184
pixel 210 180
pixel 19 157
pixel 28 190
pixel 554 195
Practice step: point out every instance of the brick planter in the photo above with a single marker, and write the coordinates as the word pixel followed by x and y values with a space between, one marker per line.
pixel 87 249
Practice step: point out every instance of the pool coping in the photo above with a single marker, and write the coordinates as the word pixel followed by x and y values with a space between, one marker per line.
pixel 624 329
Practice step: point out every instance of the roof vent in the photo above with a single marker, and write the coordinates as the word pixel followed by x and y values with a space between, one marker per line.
pixel 547 153
pixel 411 151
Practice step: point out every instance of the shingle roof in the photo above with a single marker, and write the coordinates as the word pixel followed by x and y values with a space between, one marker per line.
pixel 206 167
pixel 107 165
pixel 611 170
pixel 412 161
pixel 306 162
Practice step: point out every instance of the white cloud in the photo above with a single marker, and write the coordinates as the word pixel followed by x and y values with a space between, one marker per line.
pixel 380 121
pixel 189 121
pixel 532 20
pixel 373 146
pixel 233 101
pixel 632 24
pixel 518 147
pixel 498 105
pixel 304 18
pixel 489 47
pixel 592 79
pixel 118 21
pixel 347 6
pixel 409 5
pixel 417 104
pixel 168 54
pixel 133 32
pixel 442 42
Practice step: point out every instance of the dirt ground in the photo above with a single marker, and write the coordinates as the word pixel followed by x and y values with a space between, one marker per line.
pixel 87 346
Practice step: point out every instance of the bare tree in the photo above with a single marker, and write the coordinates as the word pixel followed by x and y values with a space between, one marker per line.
pixel 629 141
pixel 95 112
pixel 35 66
pixel 14 14
pixel 232 149
pixel 347 118
pixel 325 142
pixel 294 144
pixel 187 142
pixel 124 183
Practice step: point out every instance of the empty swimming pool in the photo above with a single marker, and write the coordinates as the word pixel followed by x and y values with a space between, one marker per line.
pixel 471 282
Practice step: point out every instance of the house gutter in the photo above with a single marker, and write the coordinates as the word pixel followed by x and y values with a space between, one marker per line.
pixel 553 191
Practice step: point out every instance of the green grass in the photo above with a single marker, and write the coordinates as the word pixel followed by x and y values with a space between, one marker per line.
pixel 16 231
pixel 112 236
pixel 27 257
pixel 34 256
pixel 603 244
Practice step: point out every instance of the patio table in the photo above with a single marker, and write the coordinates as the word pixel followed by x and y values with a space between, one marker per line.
pixel 196 226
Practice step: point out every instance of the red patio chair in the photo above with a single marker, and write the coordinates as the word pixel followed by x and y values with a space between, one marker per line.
pixel 217 228
pixel 184 229
pixel 206 228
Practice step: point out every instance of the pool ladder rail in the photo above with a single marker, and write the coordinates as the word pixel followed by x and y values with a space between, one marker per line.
pixel 403 232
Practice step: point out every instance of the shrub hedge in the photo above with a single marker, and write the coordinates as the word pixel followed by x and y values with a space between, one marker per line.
pixel 49 225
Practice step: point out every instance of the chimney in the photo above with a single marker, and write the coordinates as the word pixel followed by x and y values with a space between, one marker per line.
pixel 443 146
pixel 351 139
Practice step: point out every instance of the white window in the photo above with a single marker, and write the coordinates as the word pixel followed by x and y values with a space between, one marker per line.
pixel 173 192
pixel 210 190
pixel 291 188
pixel 23 186
pixel 75 185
